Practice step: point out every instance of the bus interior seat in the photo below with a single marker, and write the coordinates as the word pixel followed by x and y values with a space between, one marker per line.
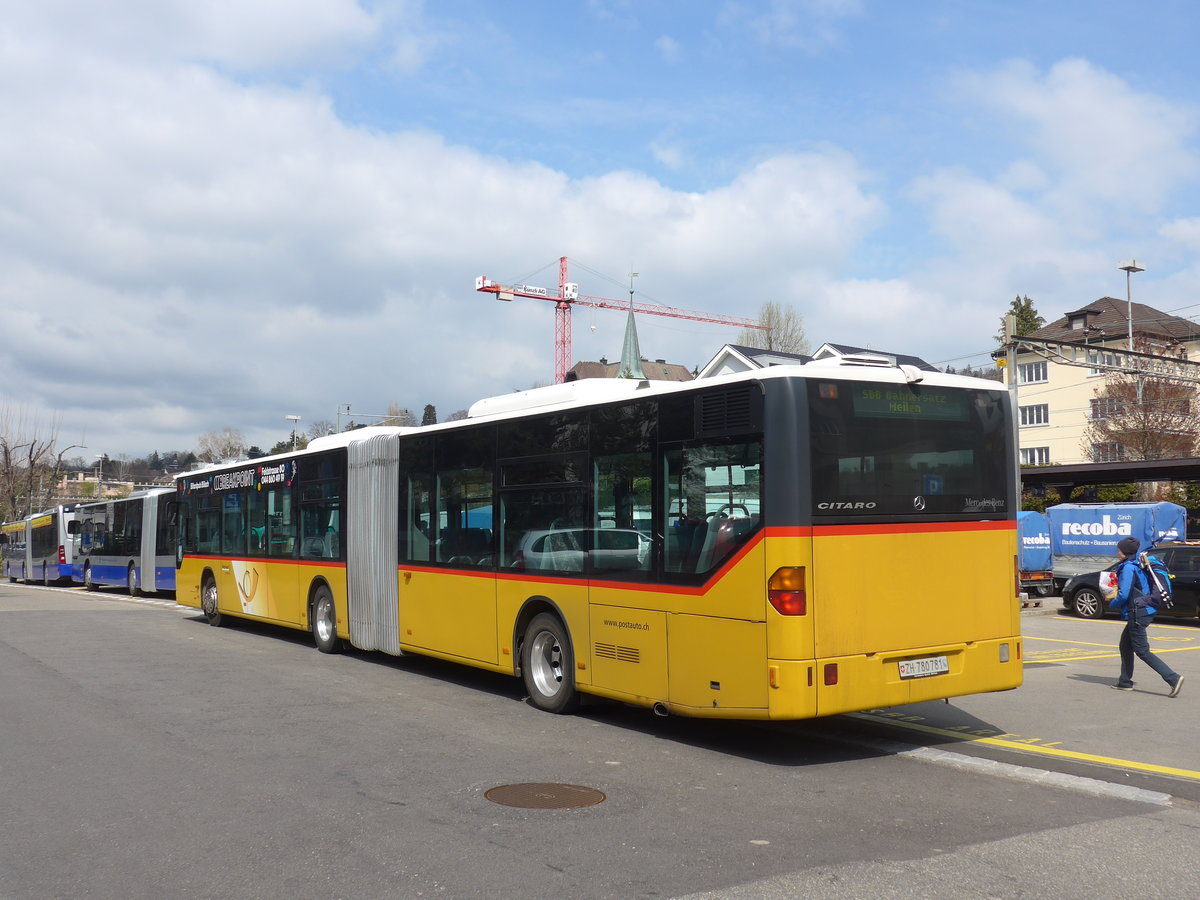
pixel 471 543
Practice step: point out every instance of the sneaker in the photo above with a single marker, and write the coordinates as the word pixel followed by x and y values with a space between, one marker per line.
pixel 1127 687
pixel 1175 688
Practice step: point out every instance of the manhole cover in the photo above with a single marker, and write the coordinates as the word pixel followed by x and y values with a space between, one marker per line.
pixel 545 796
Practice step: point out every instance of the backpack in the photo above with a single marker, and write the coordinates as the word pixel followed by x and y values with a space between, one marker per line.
pixel 1158 581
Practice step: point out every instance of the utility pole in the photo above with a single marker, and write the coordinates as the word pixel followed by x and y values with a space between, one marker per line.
pixel 1129 268
pixel 1010 363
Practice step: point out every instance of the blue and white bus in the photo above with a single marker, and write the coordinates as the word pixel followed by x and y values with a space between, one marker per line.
pixel 40 547
pixel 129 542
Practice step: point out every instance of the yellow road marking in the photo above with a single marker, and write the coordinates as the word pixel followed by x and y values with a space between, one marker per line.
pixel 1051 654
pixel 1189 774
pixel 1057 641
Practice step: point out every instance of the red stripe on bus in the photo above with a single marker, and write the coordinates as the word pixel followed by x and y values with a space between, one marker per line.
pixel 914 528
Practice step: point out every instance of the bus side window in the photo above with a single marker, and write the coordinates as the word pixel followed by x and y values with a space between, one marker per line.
pixel 713 503
pixel 320 521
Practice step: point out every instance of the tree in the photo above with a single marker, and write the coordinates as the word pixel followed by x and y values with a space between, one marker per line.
pixel 215 446
pixel 294 441
pixel 1142 417
pixel 784 330
pixel 1028 320
pixel 396 415
pixel 321 428
pixel 429 416
pixel 30 463
pixel 457 415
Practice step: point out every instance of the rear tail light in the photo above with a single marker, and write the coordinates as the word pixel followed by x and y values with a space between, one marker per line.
pixel 62 555
pixel 786 591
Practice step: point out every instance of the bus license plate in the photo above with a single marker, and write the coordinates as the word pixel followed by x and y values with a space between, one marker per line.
pixel 923 668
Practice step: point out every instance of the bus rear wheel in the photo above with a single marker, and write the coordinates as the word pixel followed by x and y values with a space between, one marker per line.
pixel 208 602
pixel 324 621
pixel 548 665
pixel 88 584
pixel 131 581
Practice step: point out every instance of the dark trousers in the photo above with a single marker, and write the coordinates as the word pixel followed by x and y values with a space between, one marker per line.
pixel 1135 642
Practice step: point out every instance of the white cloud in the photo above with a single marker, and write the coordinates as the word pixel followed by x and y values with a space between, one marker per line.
pixel 1108 145
pixel 198 253
pixel 670 155
pixel 668 48
pixel 241 34
pixel 808 25
pixel 1183 231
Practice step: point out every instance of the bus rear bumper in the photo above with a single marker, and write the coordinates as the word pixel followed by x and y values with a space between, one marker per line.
pixel 897 678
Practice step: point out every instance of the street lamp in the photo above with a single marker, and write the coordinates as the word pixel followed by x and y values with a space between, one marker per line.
pixel 1130 266
pixel 295 420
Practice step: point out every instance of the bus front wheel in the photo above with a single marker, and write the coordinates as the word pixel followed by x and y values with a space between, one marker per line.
pixel 88 584
pixel 208 602
pixel 548 665
pixel 131 581
pixel 324 621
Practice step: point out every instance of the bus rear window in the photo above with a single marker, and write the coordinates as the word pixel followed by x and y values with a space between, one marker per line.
pixel 907 450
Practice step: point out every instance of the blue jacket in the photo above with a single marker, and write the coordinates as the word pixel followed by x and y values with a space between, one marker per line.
pixel 1130 573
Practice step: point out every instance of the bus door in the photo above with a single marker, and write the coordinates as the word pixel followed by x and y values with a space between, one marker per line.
pixel 453 610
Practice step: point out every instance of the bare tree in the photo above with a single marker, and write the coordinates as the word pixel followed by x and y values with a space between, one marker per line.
pixel 397 415
pixel 215 446
pixel 784 330
pixel 30 463
pixel 1141 417
pixel 456 415
pixel 321 427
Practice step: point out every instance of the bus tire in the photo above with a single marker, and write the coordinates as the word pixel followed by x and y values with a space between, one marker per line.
pixel 131 581
pixel 324 621
pixel 88 584
pixel 548 665
pixel 208 601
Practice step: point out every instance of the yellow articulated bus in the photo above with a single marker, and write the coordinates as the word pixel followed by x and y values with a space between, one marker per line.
pixel 782 544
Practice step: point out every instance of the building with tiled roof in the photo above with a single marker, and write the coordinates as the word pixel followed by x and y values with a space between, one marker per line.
pixel 654 370
pixel 1056 402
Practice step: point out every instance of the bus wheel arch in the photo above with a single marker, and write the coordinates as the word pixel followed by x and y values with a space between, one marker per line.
pixel 208 598
pixel 547 656
pixel 322 616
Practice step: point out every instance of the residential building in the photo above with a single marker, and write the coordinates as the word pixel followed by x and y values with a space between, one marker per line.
pixel 1056 401
pixel 735 358
pixel 654 370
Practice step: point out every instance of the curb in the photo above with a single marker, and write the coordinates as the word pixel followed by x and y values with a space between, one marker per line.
pixel 1040 606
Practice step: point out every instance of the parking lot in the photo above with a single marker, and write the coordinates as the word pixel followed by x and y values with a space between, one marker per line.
pixel 151 755
pixel 1065 718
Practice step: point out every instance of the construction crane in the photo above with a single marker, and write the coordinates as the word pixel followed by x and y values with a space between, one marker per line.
pixel 568 295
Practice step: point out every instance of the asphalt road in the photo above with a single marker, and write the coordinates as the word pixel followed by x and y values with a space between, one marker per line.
pixel 145 754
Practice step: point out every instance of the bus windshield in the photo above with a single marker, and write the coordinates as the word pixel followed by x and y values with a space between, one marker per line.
pixel 907 450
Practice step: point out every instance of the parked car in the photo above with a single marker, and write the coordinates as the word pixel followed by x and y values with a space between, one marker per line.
pixel 1081 593
pixel 564 549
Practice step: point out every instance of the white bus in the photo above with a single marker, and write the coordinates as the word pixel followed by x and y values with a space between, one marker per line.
pixel 128 542
pixel 39 547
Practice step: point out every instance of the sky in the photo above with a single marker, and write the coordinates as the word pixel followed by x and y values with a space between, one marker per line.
pixel 220 213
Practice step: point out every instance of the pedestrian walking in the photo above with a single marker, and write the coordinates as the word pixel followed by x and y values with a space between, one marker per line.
pixel 1133 603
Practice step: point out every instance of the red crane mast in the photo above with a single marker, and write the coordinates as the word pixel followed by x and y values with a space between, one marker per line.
pixel 568 295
